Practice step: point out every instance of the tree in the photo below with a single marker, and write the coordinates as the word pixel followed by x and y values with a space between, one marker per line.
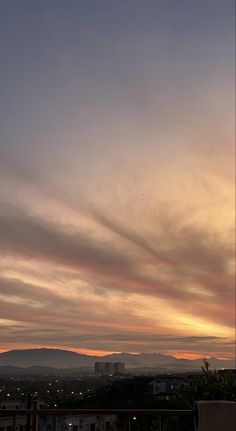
pixel 209 385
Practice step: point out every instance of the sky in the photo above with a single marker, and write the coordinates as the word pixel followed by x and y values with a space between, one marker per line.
pixel 117 176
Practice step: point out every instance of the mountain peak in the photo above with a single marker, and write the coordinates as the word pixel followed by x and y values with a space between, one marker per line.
pixel 59 358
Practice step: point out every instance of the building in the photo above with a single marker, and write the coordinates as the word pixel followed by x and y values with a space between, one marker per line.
pixel 166 386
pixel 99 368
pixel 84 422
pixel 109 368
pixel 119 368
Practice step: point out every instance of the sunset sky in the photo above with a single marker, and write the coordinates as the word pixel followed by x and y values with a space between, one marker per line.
pixel 117 176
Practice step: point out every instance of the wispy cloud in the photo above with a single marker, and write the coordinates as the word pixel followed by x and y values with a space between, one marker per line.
pixel 117 178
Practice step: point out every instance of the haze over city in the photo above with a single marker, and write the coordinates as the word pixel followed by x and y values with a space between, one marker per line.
pixel 117 176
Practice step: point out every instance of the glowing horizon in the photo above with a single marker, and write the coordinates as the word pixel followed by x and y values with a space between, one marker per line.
pixel 102 353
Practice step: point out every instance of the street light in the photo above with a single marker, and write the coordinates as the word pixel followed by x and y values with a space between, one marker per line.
pixel 134 419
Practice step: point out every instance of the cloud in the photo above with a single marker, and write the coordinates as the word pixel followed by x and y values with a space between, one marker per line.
pixel 28 235
pixel 198 258
pixel 117 182
pixel 178 261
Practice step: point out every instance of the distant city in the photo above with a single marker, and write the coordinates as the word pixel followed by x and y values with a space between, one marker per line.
pixel 97 393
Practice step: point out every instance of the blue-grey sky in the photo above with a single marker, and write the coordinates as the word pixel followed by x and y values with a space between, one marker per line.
pixel 117 174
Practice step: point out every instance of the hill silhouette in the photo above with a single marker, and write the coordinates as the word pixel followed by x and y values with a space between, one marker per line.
pixel 58 358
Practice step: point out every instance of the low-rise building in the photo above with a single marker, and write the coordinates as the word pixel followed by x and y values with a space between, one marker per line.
pixel 45 422
pixel 165 386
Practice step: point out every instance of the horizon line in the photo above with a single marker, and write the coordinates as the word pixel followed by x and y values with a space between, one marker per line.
pixel 82 352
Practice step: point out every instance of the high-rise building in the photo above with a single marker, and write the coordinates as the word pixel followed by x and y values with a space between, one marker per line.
pixel 109 368
pixel 99 368
pixel 119 368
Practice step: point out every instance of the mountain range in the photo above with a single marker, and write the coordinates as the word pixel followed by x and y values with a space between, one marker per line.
pixel 57 358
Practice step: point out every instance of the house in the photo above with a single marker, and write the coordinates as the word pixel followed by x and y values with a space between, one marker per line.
pixel 165 386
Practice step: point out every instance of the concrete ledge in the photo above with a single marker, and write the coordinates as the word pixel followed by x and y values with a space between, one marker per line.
pixel 216 416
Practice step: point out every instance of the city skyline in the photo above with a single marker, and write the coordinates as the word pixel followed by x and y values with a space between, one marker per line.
pixel 117 189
